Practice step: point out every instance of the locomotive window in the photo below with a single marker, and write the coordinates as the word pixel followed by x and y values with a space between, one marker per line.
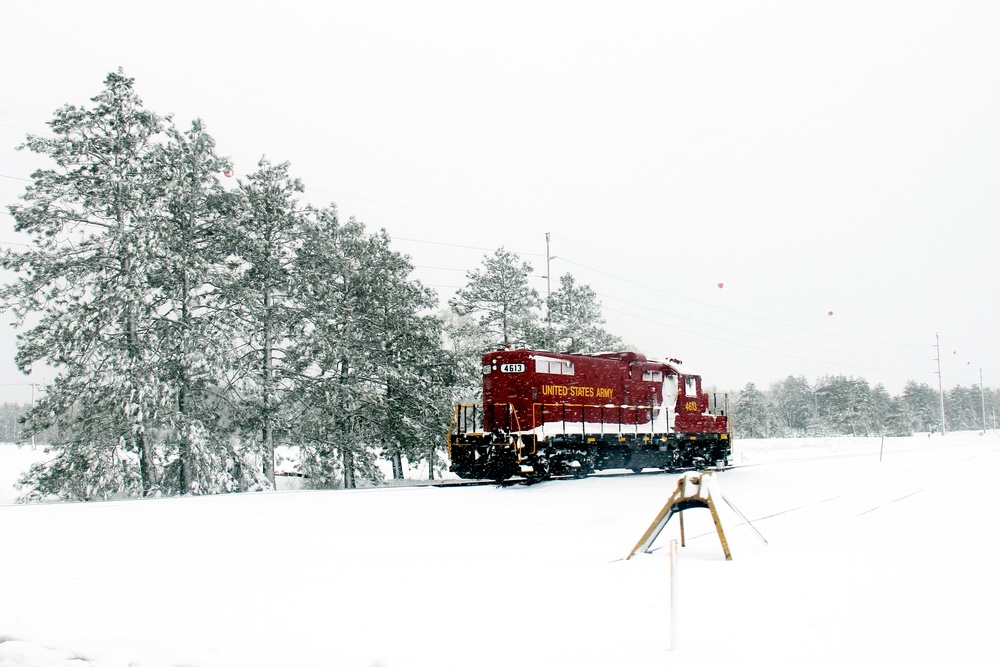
pixel 652 376
pixel 553 366
pixel 690 387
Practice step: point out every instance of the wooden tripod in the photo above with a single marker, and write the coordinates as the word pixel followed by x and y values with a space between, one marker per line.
pixel 694 489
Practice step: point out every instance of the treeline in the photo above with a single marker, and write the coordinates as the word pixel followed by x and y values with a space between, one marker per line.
pixel 198 322
pixel 839 405
pixel 10 422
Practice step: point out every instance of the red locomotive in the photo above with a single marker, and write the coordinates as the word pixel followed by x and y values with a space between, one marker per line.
pixel 546 413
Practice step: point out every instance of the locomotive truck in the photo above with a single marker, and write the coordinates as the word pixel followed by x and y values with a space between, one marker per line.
pixel 545 413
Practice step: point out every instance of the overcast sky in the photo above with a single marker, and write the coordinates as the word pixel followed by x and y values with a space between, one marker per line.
pixel 809 157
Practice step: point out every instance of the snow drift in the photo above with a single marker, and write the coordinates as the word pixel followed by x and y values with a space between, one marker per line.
pixel 876 552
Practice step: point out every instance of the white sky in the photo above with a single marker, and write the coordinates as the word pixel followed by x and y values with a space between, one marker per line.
pixel 812 157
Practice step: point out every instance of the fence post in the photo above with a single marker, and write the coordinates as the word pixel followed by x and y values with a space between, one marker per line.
pixel 673 596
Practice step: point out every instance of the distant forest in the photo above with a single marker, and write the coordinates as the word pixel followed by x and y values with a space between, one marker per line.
pixel 10 427
pixel 839 405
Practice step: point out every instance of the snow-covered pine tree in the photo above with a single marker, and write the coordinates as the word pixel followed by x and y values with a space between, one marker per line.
pixel 923 404
pixel 368 356
pixel 963 405
pixel 266 239
pixel 752 415
pixel 881 406
pixel 10 417
pixel 795 405
pixel 409 369
pixel 465 343
pixel 898 422
pixel 194 331
pixel 92 219
pixel 334 409
pixel 324 397
pixel 499 295
pixel 846 404
pixel 575 322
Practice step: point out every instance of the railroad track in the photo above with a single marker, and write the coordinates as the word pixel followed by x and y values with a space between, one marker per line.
pixel 515 481
pixel 736 466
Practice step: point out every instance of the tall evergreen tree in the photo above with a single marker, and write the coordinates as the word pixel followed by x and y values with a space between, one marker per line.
pixel 898 421
pixel 10 416
pixel 923 404
pixel 499 295
pixel 92 218
pixel 418 377
pixel 881 409
pixel 847 405
pixel 263 252
pixel 794 402
pixel 330 407
pixel 193 330
pixel 464 343
pixel 963 405
pixel 752 416
pixel 575 323
pixel 409 369
pixel 369 363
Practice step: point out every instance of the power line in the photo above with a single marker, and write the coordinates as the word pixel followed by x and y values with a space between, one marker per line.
pixel 694 278
pixel 16 127
pixel 456 245
pixel 428 212
pixel 433 268
pixel 770 338
pixel 736 312
pixel 760 349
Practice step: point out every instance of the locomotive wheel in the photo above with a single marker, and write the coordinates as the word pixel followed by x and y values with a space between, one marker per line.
pixel 542 470
pixel 499 465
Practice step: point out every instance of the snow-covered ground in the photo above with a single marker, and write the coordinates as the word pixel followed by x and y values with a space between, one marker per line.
pixel 868 562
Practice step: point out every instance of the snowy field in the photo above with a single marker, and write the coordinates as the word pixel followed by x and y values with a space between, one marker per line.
pixel 868 562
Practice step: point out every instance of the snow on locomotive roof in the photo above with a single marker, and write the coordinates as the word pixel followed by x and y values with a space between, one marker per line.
pixel 622 355
pixel 633 356
pixel 609 354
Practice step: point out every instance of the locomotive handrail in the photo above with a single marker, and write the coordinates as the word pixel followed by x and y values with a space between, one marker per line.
pixel 540 424
pixel 721 412
pixel 713 403
pixel 455 425
pixel 463 409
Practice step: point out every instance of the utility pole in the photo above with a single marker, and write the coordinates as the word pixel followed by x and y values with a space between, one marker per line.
pixel 937 336
pixel 548 281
